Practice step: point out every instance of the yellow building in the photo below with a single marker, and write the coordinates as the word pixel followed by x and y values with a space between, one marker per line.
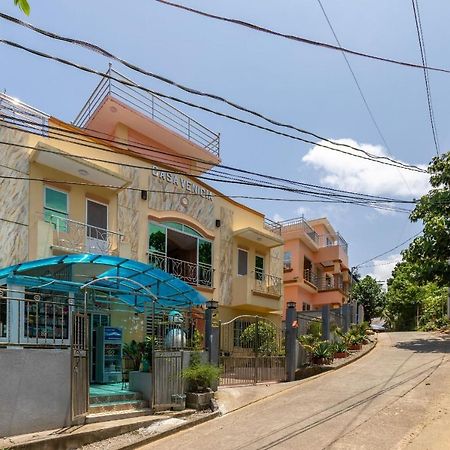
pixel 124 180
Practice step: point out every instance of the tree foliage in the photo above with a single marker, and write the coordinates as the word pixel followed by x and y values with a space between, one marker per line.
pixel 23 5
pixel 368 293
pixel 431 251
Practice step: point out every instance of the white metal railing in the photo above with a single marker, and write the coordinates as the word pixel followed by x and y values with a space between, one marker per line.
pixel 331 240
pixel 331 283
pixel 198 274
pixel 81 237
pixel 301 224
pixel 272 226
pixel 151 106
pixel 267 284
pixel 23 116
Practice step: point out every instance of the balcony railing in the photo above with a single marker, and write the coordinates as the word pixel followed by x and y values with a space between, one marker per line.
pixel 22 115
pixel 267 284
pixel 197 274
pixel 151 106
pixel 80 237
pixel 311 277
pixel 332 283
pixel 272 226
pixel 300 224
pixel 330 240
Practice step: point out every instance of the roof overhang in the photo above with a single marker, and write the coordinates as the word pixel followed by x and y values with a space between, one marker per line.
pixel 77 167
pixel 259 237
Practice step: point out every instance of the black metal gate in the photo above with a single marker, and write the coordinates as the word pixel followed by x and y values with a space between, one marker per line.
pixel 79 366
pixel 252 351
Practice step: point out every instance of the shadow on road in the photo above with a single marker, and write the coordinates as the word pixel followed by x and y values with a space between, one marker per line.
pixel 433 344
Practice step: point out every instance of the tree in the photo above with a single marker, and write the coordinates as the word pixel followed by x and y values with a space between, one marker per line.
pixel 23 5
pixel 412 305
pixel 431 251
pixel 368 293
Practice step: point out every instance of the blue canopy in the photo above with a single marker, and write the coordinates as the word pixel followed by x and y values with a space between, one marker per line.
pixel 129 280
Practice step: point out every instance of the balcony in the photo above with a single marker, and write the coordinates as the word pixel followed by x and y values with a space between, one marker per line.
pixel 78 237
pixel 258 292
pixel 332 240
pixel 272 226
pixel 149 105
pixel 301 228
pixel 332 283
pixel 311 277
pixel 197 274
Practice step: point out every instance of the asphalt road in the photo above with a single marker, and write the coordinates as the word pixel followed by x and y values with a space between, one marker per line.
pixel 396 397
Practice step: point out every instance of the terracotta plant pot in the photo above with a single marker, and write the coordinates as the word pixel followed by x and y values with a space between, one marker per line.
pixel 320 361
pixel 341 355
pixel 355 347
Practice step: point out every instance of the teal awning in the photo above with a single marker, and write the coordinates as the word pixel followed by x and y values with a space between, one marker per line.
pixel 122 276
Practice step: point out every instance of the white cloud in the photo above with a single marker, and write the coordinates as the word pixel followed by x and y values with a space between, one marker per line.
pixel 382 268
pixel 360 175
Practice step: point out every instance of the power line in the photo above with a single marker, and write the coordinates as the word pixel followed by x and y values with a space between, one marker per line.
pixel 390 250
pixel 370 156
pixel 303 40
pixel 323 190
pixel 423 55
pixel 358 86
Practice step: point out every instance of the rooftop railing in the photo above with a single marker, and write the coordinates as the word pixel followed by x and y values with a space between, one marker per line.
pixel 301 224
pixel 331 240
pixel 152 107
pixel 23 116
pixel 272 226
pixel 267 284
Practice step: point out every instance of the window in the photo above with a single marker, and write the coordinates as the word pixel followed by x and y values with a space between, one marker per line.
pixel 3 312
pixel 181 251
pixel 242 262
pixel 46 317
pixel 306 306
pixel 56 208
pixel 287 262
pixel 259 267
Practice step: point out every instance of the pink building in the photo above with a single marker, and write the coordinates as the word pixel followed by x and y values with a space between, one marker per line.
pixel 316 270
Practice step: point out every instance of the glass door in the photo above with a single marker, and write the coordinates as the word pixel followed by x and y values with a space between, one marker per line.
pixel 97 240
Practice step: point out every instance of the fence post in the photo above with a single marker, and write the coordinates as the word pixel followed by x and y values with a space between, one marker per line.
pixel 360 313
pixel 290 340
pixel 346 316
pixel 212 332
pixel 326 322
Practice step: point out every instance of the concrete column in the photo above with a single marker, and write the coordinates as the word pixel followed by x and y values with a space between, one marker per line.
pixel 291 340
pixel 212 332
pixel 325 322
pixel 346 316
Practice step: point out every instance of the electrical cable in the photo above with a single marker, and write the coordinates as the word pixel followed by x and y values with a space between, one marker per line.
pixel 423 55
pixel 369 156
pixel 84 143
pixel 303 40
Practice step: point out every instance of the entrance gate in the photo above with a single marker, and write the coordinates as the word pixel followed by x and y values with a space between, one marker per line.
pixel 252 351
pixel 79 366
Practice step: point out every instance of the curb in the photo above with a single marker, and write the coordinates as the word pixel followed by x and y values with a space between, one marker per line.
pixel 176 429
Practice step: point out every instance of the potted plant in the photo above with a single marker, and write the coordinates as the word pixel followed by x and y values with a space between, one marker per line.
pixel 200 378
pixel 322 353
pixel 133 351
pixel 340 349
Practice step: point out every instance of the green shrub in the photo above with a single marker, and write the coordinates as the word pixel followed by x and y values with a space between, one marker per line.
pixel 339 347
pixel 262 337
pixel 201 376
pixel 323 350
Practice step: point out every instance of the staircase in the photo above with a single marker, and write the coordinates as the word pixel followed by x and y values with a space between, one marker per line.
pixel 116 406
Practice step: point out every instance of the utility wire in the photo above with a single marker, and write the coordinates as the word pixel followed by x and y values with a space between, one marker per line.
pixel 358 86
pixel 303 40
pixel 370 156
pixel 85 143
pixel 423 55
pixel 389 251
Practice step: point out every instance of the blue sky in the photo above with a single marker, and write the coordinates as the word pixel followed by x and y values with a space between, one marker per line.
pixel 295 83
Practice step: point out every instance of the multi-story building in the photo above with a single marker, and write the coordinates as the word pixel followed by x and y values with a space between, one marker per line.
pixel 124 180
pixel 316 270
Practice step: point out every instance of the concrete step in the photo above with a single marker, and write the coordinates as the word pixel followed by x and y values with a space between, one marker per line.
pixel 117 406
pixel 117 415
pixel 94 399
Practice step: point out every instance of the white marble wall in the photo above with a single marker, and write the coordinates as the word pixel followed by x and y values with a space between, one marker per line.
pixel 225 257
pixel 14 199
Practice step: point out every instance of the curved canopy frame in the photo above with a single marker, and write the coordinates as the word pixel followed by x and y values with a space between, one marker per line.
pixel 132 282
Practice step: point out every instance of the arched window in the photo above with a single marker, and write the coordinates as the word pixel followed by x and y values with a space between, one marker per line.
pixel 182 251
